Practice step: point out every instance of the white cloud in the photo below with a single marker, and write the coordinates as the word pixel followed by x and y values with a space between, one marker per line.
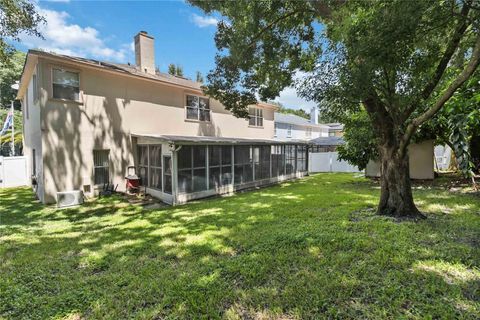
pixel 289 98
pixel 64 37
pixel 202 22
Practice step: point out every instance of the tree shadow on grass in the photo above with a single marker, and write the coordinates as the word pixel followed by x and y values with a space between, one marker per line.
pixel 286 251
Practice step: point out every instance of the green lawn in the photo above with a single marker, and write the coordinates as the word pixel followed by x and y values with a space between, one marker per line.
pixel 306 249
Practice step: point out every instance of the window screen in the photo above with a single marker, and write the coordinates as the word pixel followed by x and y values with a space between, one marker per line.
pixel 101 166
pixel 301 158
pixel 155 162
pixel 261 160
pixel 142 152
pixel 167 174
pixel 243 164
pixel 278 160
pixel 220 166
pixel 192 171
pixel 290 154
pixel 65 85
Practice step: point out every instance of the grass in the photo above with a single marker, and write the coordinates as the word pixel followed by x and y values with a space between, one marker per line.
pixel 305 249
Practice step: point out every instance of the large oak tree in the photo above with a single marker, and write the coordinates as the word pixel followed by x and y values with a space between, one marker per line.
pixel 390 56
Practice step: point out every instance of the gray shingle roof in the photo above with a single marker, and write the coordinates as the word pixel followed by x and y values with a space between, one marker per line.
pixel 327 141
pixel 123 68
pixel 294 119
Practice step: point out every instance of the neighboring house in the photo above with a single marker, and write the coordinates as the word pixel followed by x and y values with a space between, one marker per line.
pixel 325 144
pixel 290 126
pixel 335 129
pixel 420 162
pixel 443 155
pixel 87 121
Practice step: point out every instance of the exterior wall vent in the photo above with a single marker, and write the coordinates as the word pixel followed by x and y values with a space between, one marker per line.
pixel 69 198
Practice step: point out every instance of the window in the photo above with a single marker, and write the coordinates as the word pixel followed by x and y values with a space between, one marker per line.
pixel 34 87
pixel 261 160
pixel 192 171
pixel 155 166
pixel 256 117
pixel 275 128
pixel 290 155
pixel 243 170
pixel 34 163
pixel 289 131
pixel 167 174
pixel 308 133
pixel 331 134
pixel 198 108
pixel 65 85
pixel 220 166
pixel 101 166
pixel 142 152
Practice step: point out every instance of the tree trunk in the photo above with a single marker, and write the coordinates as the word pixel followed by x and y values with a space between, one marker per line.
pixel 396 197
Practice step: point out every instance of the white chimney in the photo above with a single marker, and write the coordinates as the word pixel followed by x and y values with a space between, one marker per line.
pixel 144 52
pixel 314 115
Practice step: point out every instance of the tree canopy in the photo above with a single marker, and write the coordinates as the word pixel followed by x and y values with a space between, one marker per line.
pixel 387 56
pixel 9 73
pixel 16 17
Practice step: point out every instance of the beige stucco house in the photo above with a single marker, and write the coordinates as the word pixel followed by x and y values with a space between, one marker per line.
pixel 86 122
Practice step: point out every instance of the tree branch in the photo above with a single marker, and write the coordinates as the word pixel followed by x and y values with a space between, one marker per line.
pixel 447 55
pixel 447 94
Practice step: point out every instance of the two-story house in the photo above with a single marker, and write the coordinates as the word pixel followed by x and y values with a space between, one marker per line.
pixel 290 126
pixel 87 121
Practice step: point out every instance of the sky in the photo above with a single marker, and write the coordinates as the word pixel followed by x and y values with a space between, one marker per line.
pixel 104 30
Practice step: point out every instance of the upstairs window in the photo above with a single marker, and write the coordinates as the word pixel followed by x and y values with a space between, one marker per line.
pixel 275 129
pixel 289 131
pixel 198 108
pixel 65 85
pixel 308 133
pixel 256 117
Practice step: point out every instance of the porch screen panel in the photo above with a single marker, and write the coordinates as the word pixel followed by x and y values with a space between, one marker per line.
pixel 199 168
pixel 155 158
pixel 290 159
pixel 261 158
pixel 278 160
pixel 243 164
pixel 220 165
pixel 142 152
pixel 301 158
pixel 192 170
pixel 184 164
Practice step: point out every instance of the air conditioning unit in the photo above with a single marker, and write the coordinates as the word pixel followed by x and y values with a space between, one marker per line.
pixel 69 198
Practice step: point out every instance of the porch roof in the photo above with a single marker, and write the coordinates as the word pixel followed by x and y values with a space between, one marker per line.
pixel 327 141
pixel 214 140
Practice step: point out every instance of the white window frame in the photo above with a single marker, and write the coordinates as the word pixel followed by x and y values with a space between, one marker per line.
pixel 80 92
pixel 198 109
pixel 308 132
pixel 103 166
pixel 255 114
pixel 275 129
pixel 289 131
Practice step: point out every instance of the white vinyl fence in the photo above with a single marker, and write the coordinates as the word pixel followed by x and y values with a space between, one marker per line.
pixel 13 172
pixel 328 162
